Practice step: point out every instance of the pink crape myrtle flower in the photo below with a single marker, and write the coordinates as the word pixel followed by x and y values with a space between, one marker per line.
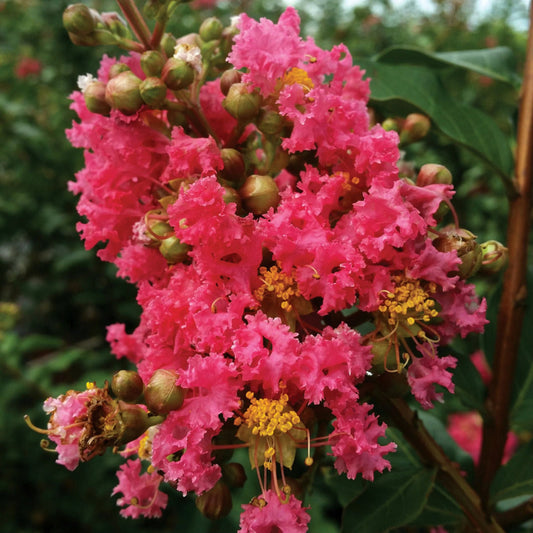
pixel 67 413
pixel 267 513
pixel 140 492
pixel 253 298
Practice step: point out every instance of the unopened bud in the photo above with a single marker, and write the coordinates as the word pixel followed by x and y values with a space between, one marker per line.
pixel 117 68
pixel 464 243
pixel 433 173
pixel 152 62
pixel 78 19
pixel 177 74
pixel 162 394
pixel 259 193
pixel 116 24
pixel 173 250
pixel 127 385
pixel 134 421
pixel 122 93
pixel 168 43
pixel 234 475
pixel 210 29
pixel 270 123
pixel 391 124
pixel 216 502
pixel 240 103
pixel 414 128
pixel 94 96
pixel 234 167
pixel 495 257
pixel 228 78
pixel 153 91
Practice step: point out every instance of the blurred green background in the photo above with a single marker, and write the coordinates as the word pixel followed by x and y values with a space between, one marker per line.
pixel 58 297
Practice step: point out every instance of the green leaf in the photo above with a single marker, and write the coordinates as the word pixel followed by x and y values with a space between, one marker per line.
pixel 393 500
pixel 469 387
pixel 402 88
pixel 440 509
pixel 497 63
pixel 515 478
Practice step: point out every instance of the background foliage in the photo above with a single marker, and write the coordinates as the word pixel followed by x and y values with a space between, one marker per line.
pixel 53 338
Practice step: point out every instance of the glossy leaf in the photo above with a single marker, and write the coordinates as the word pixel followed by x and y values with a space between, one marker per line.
pixel 403 88
pixel 393 500
pixel 515 478
pixel 497 63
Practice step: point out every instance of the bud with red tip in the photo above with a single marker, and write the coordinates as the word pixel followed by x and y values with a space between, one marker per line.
pixel 414 128
pixel 433 173
pixel 162 394
pixel 216 502
pixel 234 167
pixel 228 78
pixel 240 103
pixel 94 96
pixel 122 93
pixel 127 385
pixel 259 193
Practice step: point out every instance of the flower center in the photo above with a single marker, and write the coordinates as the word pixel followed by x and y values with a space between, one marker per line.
pixel 409 302
pixel 277 286
pixel 299 76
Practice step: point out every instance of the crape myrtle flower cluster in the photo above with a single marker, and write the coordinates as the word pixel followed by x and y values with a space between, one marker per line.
pixel 281 260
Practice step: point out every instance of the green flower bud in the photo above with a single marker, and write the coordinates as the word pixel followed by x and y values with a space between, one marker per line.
pixel 464 243
pixel 414 128
pixel 117 69
pixel 210 29
pixel 78 19
pixel 177 74
pixel 495 257
pixel 152 62
pixel 168 43
pixel 390 124
pixel 133 422
pixel 94 95
pixel 127 385
pixel 162 394
pixel 215 503
pixel 270 123
pixel 234 167
pixel 259 193
pixel 433 173
pixel 122 93
pixel 153 91
pixel 116 24
pixel 173 250
pixel 240 103
pixel 228 78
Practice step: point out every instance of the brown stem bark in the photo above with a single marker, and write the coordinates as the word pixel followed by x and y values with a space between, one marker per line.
pixel 511 309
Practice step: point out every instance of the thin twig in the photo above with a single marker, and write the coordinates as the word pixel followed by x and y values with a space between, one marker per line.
pixel 136 21
pixel 512 308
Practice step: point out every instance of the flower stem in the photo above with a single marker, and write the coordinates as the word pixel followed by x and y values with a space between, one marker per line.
pixel 512 303
pixel 136 21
